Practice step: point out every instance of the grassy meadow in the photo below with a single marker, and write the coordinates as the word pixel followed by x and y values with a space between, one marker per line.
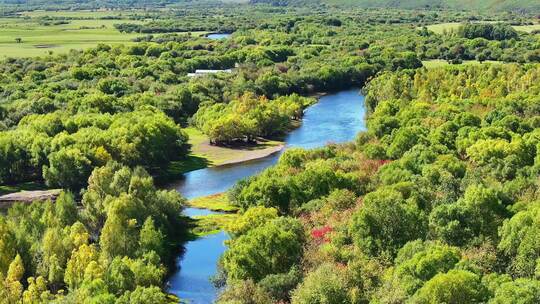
pixel 528 28
pixel 89 14
pixel 39 39
pixel 436 63
pixel 84 29
pixel 453 26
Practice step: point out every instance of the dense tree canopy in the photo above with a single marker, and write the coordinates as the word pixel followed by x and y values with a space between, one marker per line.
pixel 115 246
pixel 436 202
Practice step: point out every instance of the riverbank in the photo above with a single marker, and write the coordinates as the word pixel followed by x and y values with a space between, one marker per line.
pixel 336 117
pixel 203 154
pixel 227 155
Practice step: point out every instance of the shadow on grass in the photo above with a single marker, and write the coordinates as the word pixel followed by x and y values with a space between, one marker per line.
pixel 178 167
pixel 27 186
pixel 240 145
pixel 189 163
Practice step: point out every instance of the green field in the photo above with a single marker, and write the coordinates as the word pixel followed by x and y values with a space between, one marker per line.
pixel 471 5
pixel 429 64
pixel 95 14
pixel 38 39
pixel 528 28
pixel 452 26
pixel 442 27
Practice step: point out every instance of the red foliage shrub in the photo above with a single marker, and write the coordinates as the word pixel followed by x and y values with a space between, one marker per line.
pixel 320 234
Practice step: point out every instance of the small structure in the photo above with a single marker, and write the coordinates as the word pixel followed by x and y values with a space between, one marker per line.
pixel 28 197
pixel 206 72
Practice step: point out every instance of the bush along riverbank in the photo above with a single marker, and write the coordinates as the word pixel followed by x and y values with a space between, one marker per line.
pixel 429 205
pixel 336 117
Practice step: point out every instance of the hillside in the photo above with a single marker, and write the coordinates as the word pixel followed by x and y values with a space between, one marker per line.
pixel 531 6
pixel 81 4
pixel 528 6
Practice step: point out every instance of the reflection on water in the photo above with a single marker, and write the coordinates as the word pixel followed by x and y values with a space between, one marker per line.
pixel 335 118
pixel 198 265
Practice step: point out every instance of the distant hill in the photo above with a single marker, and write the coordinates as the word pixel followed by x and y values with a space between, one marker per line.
pixel 54 4
pixel 530 6
pixel 478 5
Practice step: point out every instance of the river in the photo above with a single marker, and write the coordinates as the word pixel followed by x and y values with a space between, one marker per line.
pixel 336 118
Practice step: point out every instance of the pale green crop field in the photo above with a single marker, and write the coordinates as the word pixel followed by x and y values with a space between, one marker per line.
pixel 436 63
pixel 39 39
pixel 527 28
pixel 96 14
pixel 452 26
pixel 441 27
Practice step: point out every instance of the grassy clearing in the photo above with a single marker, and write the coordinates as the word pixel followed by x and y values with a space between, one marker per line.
pixel 190 163
pixel 218 155
pixel 38 39
pixel 435 63
pixel 442 27
pixel 528 28
pixel 214 202
pixel 453 26
pixel 93 14
pixel 205 155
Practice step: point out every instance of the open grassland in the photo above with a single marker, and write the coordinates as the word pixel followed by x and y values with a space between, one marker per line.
pixel 38 39
pixel 86 29
pixel 453 26
pixel 442 27
pixel 528 28
pixel 474 5
pixel 91 14
pixel 430 64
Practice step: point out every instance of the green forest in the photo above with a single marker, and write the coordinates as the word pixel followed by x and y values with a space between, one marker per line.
pixel 437 201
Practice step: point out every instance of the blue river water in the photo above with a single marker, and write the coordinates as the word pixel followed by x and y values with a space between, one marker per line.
pixel 336 118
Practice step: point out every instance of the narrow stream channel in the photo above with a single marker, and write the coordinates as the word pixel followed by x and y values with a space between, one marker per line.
pixel 335 118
